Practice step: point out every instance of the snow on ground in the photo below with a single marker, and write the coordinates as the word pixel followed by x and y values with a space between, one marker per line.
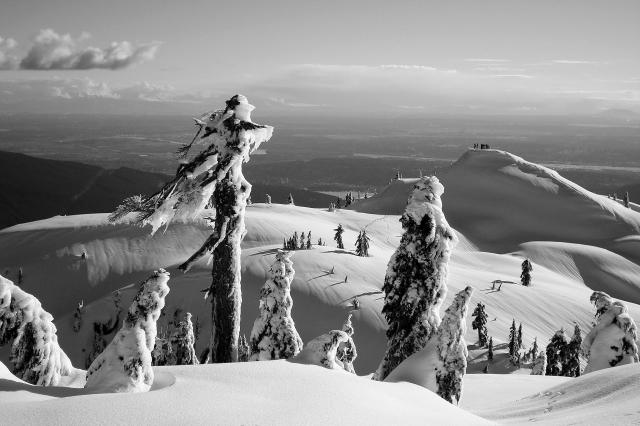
pixel 605 397
pixel 117 256
pixel 496 201
pixel 55 272
pixel 265 393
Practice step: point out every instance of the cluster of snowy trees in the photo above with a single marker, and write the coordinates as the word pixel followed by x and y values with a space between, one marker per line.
pixel 563 354
pixel 176 345
pixel 296 242
pixel 362 242
pixel 625 199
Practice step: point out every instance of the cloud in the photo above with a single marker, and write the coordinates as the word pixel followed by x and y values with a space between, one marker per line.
pixel 7 60
pixel 574 62
pixel 489 60
pixel 53 51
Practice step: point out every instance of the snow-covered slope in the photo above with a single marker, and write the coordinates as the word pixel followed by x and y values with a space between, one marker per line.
pixel 500 202
pixel 606 397
pixel 120 255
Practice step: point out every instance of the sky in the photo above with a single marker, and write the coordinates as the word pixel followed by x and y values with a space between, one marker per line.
pixel 416 56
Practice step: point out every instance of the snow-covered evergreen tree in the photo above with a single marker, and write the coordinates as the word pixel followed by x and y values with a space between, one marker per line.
pixel 612 341
pixel 513 342
pixel 571 367
pixel 490 349
pixel 625 199
pixel 416 280
pixel 125 365
pixel 556 353
pixel 243 349
pixel 534 349
pixel 480 323
pixel 268 199
pixel 274 334
pixel 302 243
pixel 539 364
pixel 525 276
pixel 452 349
pixel 323 351
pixel 77 316
pixel 519 337
pixel 309 240
pixel 347 350
pixel 214 176
pixel 162 353
pixel 338 237
pixel 184 341
pixel 362 244
pixel 290 200
pixel 35 355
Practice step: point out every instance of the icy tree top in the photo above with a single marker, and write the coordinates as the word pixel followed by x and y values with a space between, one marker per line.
pixel 231 137
pixel 602 301
pixel 283 266
pixel 425 198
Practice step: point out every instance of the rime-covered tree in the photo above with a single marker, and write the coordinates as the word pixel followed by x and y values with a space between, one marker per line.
pixel 35 355
pixel 556 353
pixel 163 353
pixel 302 242
pixel 539 364
pixel 290 200
pixel 125 365
pixel 325 351
pixel 490 349
pixel 525 276
pixel 519 337
pixel 571 366
pixel 513 341
pixel 214 177
pixel 346 352
pixel 416 280
pixel 243 349
pixel 452 349
pixel 362 244
pixel 534 348
pixel 268 199
pixel 274 334
pixel 184 341
pixel 612 341
pixel 309 240
pixel 338 236
pixel 77 316
pixel 480 323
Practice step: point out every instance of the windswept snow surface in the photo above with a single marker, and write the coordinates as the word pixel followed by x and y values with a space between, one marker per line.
pixel 50 253
pixel 264 393
pixel 606 397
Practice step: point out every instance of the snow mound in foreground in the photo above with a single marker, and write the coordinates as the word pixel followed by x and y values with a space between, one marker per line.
pixel 245 393
pixel 610 396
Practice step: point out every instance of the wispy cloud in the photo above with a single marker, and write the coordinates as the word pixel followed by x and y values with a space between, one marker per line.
pixel 52 51
pixel 488 60
pixel 525 76
pixel 574 62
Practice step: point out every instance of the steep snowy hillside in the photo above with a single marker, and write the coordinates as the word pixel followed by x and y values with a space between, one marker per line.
pixel 50 253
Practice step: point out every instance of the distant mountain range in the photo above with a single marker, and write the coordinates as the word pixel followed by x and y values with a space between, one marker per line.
pixel 34 188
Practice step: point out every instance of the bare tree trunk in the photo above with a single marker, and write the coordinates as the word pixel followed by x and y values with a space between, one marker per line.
pixel 226 292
